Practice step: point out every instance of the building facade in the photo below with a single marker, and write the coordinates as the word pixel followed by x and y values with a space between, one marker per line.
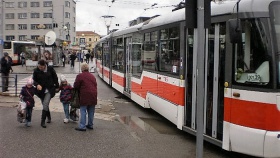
pixel 32 19
pixel 87 39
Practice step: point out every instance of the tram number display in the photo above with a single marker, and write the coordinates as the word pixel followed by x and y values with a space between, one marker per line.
pixel 254 77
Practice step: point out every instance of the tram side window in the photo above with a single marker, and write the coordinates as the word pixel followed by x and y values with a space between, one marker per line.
pixel 106 55
pixel 7 45
pixel 98 52
pixel 118 55
pixel 137 68
pixel 149 51
pixel 169 57
pixel 251 57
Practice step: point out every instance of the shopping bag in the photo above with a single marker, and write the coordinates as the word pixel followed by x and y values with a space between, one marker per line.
pixel 21 112
pixel 75 100
pixel 74 114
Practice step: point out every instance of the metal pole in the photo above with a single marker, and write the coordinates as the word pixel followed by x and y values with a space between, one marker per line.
pixel 200 77
pixel 2 29
pixel 16 83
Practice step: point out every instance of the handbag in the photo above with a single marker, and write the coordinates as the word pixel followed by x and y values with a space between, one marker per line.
pixel 75 100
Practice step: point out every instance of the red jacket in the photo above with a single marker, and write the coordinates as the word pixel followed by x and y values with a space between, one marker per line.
pixel 85 82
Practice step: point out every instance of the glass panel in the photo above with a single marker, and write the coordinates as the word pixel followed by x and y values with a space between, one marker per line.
pixel 252 61
pixel 136 54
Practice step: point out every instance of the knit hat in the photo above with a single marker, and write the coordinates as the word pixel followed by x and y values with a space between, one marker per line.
pixel 29 81
pixel 62 78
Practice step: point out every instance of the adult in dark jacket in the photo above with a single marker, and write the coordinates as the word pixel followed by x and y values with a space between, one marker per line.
pixel 85 82
pixel 46 82
pixel 72 59
pixel 6 68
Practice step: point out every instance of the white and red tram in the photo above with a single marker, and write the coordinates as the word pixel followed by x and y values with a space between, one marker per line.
pixel 154 62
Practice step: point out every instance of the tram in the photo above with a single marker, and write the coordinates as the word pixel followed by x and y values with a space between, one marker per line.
pixel 154 64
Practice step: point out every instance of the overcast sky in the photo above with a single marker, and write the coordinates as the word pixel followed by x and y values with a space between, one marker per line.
pixel 89 12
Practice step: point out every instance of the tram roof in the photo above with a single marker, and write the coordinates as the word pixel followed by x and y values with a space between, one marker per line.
pixel 217 9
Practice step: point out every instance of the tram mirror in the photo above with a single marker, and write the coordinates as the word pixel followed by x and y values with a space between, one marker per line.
pixel 235 32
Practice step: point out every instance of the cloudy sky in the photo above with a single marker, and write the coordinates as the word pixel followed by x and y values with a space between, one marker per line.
pixel 89 12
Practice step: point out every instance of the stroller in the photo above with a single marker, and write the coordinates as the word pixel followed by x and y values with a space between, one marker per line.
pixel 21 112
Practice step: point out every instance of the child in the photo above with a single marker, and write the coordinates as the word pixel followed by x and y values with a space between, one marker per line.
pixel 65 96
pixel 27 95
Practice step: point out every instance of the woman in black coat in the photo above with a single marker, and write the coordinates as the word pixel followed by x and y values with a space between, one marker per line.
pixel 46 82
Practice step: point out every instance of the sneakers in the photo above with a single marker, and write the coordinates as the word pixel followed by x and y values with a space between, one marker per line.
pixel 28 124
pixel 65 120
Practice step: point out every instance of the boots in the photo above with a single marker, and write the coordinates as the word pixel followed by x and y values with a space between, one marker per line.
pixel 49 117
pixel 43 119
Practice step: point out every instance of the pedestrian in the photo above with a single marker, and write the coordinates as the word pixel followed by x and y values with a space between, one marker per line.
pixel 87 58
pixel 27 95
pixel 46 82
pixel 63 57
pixel 65 96
pixel 22 58
pixel 6 68
pixel 86 84
pixel 72 59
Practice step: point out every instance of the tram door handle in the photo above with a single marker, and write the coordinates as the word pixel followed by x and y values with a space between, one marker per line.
pixel 235 94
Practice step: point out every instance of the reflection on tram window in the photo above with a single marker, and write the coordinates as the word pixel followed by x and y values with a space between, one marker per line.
pixel 169 56
pixel 252 61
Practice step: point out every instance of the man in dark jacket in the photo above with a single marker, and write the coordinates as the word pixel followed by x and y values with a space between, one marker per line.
pixel 6 68
pixel 72 59
pixel 46 82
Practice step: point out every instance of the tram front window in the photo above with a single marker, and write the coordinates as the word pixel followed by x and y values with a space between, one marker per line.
pixel 275 20
pixel 252 58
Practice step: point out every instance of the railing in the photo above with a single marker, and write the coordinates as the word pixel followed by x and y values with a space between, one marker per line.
pixel 11 79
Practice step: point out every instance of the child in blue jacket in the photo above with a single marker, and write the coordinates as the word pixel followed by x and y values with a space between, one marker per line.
pixel 27 95
pixel 65 96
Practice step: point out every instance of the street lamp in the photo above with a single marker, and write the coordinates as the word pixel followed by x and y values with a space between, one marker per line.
pixel 67 29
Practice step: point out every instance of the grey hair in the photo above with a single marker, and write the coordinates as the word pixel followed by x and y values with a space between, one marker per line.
pixel 84 67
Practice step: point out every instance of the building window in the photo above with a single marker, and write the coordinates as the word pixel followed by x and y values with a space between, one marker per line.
pixel 10 26
pixel 35 4
pixel 22 4
pixel 22 26
pixel 10 15
pixel 22 15
pixel 67 4
pixel 35 15
pixel 89 39
pixel 35 37
pixel 47 3
pixel 48 26
pixel 96 39
pixel 47 15
pixel 34 26
pixel 9 4
pixel 74 19
pixel 74 9
pixel 67 15
pixel 22 37
pixel 9 38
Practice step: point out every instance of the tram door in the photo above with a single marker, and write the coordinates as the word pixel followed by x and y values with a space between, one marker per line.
pixel 128 62
pixel 214 80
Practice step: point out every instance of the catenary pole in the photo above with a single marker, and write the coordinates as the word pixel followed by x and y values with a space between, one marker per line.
pixel 200 77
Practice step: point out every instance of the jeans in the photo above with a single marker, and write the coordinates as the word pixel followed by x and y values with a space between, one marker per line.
pixel 5 81
pixel 66 109
pixel 29 113
pixel 90 111
pixel 46 101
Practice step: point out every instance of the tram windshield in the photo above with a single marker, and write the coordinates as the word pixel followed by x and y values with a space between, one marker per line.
pixel 275 19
